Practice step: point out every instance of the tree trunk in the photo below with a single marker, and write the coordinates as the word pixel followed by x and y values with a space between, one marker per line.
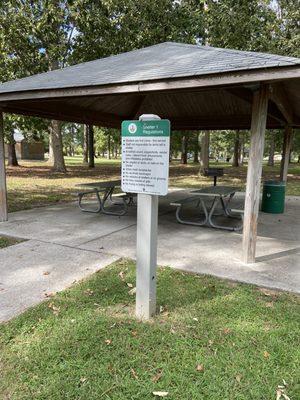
pixel 196 150
pixel 241 150
pixel 235 160
pixel 196 156
pixel 108 146
pixel 183 150
pixel 91 147
pixel 271 151
pixel 56 156
pixel 286 153
pixel 12 157
pixel 85 144
pixel 204 158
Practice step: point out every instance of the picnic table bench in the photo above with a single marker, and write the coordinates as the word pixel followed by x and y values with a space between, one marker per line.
pixel 221 194
pixel 104 191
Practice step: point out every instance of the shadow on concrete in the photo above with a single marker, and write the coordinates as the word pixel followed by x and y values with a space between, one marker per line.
pixel 280 254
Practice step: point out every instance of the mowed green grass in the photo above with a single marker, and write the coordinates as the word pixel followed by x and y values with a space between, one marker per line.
pixel 212 340
pixel 33 184
pixel 7 241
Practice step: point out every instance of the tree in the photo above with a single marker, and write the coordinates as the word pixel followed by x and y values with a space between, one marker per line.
pixel 85 144
pixel 110 27
pixel 184 149
pixel 204 158
pixel 91 147
pixel 237 149
pixel 241 25
pixel 10 141
pixel 287 29
pixel 271 149
pixel 36 36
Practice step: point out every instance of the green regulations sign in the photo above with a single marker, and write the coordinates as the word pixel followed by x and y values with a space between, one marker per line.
pixel 145 156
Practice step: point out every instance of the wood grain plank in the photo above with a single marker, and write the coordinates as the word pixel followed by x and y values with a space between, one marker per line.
pixel 258 127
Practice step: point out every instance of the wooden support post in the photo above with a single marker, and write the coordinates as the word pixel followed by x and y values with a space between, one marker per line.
pixel 3 193
pixel 146 255
pixel 287 141
pixel 258 126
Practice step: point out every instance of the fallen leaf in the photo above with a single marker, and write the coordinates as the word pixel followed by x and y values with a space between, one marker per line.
pixel 46 273
pixel 108 341
pixel 50 294
pixel 226 331
pixel 238 378
pixel 200 368
pixel 132 291
pixel 157 376
pixel 269 293
pixel 270 304
pixel 134 374
pixel 281 391
pixel 129 284
pixel 54 308
pixel 122 275
pixel 266 354
pixel 160 394
pixel 83 379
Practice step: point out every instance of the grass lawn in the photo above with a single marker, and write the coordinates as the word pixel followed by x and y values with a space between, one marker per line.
pixel 34 184
pixel 7 241
pixel 213 340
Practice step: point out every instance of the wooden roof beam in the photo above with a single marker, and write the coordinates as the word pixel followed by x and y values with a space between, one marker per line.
pixel 225 122
pixel 71 114
pixel 247 95
pixel 279 97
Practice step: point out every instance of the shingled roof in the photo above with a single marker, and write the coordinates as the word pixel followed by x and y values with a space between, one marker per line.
pixel 162 61
pixel 195 87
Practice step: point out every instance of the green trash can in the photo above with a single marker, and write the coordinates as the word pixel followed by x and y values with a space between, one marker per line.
pixel 273 197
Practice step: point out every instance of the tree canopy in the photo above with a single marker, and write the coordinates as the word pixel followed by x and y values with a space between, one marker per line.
pixel 41 35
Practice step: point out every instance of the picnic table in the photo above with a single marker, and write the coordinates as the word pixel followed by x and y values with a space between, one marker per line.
pixel 219 194
pixel 104 193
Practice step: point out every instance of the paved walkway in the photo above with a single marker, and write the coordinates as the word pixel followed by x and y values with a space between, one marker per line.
pixel 65 245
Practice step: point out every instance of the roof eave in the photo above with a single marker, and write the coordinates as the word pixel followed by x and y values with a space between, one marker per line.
pixel 170 84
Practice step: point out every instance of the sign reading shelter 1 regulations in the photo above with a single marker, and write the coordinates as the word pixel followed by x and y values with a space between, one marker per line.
pixel 145 156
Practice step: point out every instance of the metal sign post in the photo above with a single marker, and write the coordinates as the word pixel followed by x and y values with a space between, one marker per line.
pixel 145 170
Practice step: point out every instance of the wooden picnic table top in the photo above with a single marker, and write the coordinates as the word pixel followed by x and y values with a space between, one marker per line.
pixel 101 184
pixel 219 191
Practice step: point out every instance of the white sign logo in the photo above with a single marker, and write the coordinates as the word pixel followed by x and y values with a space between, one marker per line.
pixel 132 128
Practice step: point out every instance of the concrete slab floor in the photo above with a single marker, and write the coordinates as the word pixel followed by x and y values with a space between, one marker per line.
pixel 69 245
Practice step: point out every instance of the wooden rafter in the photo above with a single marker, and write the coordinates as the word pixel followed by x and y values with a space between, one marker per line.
pixel 66 113
pixel 279 97
pixel 246 95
